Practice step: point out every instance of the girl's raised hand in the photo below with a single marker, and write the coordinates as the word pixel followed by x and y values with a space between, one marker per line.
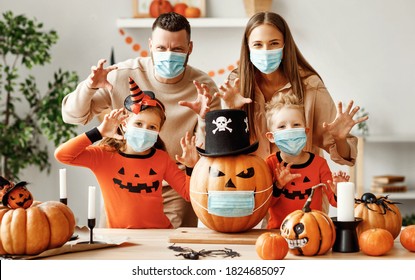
pixel 231 95
pixel 111 122
pixel 189 155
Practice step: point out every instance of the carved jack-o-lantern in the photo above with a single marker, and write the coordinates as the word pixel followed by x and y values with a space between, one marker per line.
pixel 140 184
pixel 16 196
pixel 222 189
pixel 308 232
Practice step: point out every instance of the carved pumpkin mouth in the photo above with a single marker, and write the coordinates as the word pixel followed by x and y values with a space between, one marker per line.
pixel 297 243
pixel 22 203
pixel 138 187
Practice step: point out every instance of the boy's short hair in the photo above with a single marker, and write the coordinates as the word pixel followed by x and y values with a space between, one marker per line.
pixel 279 101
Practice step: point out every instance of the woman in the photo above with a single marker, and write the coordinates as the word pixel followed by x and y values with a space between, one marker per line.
pixel 271 63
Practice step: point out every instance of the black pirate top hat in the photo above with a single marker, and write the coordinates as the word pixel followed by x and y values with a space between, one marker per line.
pixel 139 100
pixel 227 133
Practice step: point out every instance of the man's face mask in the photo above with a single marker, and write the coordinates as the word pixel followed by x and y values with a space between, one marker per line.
pixel 169 65
pixel 232 203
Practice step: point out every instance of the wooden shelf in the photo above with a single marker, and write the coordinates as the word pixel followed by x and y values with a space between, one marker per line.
pixel 399 196
pixel 194 22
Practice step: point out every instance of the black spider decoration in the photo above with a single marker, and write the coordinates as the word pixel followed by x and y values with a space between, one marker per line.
pixel 191 254
pixel 369 198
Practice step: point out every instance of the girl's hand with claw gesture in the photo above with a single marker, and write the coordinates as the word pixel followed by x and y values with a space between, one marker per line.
pixel 111 122
pixel 283 174
pixel 189 155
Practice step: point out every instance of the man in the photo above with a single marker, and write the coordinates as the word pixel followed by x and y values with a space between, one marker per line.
pixel 181 88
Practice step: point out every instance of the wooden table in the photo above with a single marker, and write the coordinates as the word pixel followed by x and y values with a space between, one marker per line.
pixel 152 244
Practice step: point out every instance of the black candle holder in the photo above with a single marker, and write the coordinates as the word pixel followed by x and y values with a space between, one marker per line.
pixel 346 236
pixel 91 225
pixel 65 201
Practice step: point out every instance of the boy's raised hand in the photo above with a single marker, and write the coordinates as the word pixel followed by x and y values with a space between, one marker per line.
pixel 189 155
pixel 283 174
pixel 98 77
pixel 111 122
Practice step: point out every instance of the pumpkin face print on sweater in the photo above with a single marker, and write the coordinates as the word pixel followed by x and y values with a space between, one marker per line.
pixel 136 182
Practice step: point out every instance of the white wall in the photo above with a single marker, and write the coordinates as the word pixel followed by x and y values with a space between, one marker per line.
pixel 362 49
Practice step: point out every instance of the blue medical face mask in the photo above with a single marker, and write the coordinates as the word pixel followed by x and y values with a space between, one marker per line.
pixel 266 61
pixel 232 203
pixel 290 141
pixel 140 139
pixel 169 64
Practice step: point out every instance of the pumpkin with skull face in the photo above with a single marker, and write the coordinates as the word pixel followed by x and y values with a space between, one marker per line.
pixel 308 232
pixel 231 193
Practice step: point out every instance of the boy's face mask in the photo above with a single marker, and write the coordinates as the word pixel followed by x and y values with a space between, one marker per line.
pixel 290 141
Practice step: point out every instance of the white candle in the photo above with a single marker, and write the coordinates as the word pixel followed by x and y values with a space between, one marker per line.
pixel 62 183
pixel 345 202
pixel 91 202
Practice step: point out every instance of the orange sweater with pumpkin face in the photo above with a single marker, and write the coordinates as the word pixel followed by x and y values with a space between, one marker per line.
pixel 131 185
pixel 294 194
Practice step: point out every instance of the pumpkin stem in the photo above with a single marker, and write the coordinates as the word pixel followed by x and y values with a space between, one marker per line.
pixel 307 204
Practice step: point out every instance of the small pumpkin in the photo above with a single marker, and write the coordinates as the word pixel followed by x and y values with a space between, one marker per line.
pixel 271 246
pixel 407 238
pixel 243 172
pixel 308 232
pixel 375 241
pixel 378 212
pixel 33 230
pixel 18 196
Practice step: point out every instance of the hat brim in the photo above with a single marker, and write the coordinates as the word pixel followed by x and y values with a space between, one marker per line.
pixel 247 150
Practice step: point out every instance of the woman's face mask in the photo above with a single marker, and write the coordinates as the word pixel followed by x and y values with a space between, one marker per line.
pixel 140 139
pixel 169 65
pixel 266 61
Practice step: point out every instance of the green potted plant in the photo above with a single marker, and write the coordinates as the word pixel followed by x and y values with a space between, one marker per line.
pixel 26 115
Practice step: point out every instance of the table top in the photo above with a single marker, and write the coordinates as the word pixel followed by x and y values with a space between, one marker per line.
pixel 152 244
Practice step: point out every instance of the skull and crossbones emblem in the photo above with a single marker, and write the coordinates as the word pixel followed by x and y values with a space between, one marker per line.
pixel 221 124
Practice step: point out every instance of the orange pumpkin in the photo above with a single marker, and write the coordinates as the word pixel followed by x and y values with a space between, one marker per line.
pixel 33 230
pixel 407 238
pixel 18 196
pixel 376 241
pixel 244 172
pixel 308 232
pixel 271 246
pixel 378 212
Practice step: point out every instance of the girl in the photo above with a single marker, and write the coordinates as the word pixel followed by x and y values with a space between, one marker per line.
pixel 130 168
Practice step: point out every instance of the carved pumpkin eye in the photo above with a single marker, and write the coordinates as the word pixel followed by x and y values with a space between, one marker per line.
pixel 152 172
pixel 214 172
pixel 299 228
pixel 250 172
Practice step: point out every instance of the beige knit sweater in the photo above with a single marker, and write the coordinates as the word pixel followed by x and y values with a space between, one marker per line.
pixel 80 106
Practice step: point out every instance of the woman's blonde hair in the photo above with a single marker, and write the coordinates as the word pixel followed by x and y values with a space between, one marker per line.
pixel 280 101
pixel 119 145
